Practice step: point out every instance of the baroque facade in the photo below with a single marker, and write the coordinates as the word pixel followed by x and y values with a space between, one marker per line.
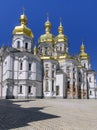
pixel 45 71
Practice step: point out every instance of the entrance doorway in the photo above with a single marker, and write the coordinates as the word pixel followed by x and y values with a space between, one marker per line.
pixel 9 92
pixel 57 90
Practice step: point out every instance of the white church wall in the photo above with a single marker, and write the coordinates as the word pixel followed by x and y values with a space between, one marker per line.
pixel 8 68
pixel 23 40
pixel 92 85
pixel 23 94
pixel 85 64
pixel 4 91
pixel 60 81
pixel 39 90
pixel 15 91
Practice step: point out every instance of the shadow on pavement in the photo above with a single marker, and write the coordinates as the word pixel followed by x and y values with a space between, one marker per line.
pixel 14 116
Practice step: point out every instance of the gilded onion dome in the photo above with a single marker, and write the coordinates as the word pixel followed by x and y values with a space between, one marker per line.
pixel 83 54
pixel 47 37
pixel 61 37
pixel 23 29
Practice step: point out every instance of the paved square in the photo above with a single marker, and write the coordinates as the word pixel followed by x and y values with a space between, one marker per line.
pixel 48 114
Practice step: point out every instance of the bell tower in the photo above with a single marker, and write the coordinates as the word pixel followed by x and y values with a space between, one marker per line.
pixel 61 41
pixel 22 36
pixel 84 57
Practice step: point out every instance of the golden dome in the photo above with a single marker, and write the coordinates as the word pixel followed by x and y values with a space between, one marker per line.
pixel 61 37
pixel 48 25
pixel 22 29
pixel 47 37
pixel 83 54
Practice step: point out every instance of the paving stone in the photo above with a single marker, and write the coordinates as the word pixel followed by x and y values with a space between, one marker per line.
pixel 48 114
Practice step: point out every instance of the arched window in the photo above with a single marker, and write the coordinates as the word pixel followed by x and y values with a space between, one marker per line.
pixel 29 89
pixel 26 45
pixel 57 90
pixel 89 79
pixel 21 66
pixel 74 86
pixel 29 66
pixel 60 48
pixel 68 69
pixel 90 92
pixel 18 44
pixel 79 79
pixel 52 85
pixel 52 74
pixel 46 73
pixel 84 65
pixel 20 89
pixel 68 85
pixel 46 65
pixel 53 66
pixel 73 75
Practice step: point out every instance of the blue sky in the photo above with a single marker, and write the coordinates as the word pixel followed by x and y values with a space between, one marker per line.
pixel 79 18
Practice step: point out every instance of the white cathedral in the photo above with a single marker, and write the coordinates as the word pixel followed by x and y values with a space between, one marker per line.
pixel 45 71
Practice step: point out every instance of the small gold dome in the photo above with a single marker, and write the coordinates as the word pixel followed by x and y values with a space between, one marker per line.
pixel 23 29
pixel 47 37
pixel 48 24
pixel 23 19
pixel 60 29
pixel 61 37
pixel 83 54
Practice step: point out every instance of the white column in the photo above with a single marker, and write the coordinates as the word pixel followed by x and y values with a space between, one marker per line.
pixel 4 91
pixel 26 91
pixel 34 90
pixel 34 70
pixel 15 91
pixel 16 68
pixel 34 66
pixel 25 68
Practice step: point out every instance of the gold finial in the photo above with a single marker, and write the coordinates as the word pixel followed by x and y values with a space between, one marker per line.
pixel 47 14
pixel 23 18
pixel 82 42
pixel 23 9
pixel 82 49
pixel 60 21
pixel 61 37
pixel 83 54
pixel 60 28
pixel 47 25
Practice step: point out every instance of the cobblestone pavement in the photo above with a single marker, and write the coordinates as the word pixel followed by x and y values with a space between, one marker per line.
pixel 48 114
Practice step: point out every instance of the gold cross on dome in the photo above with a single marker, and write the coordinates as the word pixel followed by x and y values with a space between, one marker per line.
pixel 23 9
pixel 60 21
pixel 47 14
